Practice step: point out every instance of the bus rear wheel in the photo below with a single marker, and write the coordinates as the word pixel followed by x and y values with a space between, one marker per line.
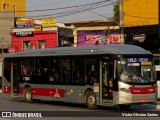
pixel 28 95
pixel 91 100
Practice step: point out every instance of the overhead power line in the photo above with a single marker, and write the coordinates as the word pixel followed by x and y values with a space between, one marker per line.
pixel 72 12
pixel 79 9
pixel 94 3
pixel 42 10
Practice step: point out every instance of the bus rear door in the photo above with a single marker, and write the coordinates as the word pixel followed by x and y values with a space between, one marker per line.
pixel 15 78
pixel 106 80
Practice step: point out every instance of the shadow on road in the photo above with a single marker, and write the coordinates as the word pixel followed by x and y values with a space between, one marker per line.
pixel 142 107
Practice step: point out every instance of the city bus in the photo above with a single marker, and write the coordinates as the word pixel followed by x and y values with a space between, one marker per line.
pixel 157 67
pixel 89 75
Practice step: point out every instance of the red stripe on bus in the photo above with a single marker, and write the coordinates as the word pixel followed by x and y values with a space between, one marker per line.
pixel 7 89
pixel 145 90
pixel 48 92
pixel 38 91
pixel 21 90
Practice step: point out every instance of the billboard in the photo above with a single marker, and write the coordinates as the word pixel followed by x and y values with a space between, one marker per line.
pixel 25 23
pixel 48 22
pixel 97 37
pixel 140 12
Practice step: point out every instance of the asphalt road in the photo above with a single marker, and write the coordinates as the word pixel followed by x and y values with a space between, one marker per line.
pixel 68 111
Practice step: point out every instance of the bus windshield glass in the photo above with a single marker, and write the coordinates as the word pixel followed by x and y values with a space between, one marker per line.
pixel 136 70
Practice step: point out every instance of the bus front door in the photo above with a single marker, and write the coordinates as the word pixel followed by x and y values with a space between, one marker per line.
pixel 107 72
pixel 15 73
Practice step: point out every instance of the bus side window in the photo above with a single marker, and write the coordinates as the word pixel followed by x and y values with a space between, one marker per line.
pixel 65 71
pixel 41 70
pixel 27 71
pixel 53 75
pixel 38 72
pixel 78 70
pixel 54 71
pixel 91 71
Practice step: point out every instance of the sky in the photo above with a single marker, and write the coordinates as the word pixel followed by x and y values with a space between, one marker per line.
pixel 70 10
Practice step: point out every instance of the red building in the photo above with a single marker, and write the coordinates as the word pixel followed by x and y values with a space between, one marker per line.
pixel 27 40
pixel 38 34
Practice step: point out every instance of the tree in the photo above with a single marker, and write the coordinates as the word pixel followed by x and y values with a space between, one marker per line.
pixel 116 16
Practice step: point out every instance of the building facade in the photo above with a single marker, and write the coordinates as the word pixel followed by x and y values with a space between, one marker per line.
pixel 9 9
pixel 30 34
pixel 140 12
pixel 141 18
pixel 90 33
pixel 18 6
pixel 29 40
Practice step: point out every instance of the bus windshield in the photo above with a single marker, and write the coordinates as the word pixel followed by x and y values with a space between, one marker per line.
pixel 136 70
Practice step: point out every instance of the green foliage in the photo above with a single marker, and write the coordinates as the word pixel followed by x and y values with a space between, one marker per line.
pixel 116 16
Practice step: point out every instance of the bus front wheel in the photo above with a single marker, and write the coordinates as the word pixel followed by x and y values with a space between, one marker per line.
pixel 91 100
pixel 28 95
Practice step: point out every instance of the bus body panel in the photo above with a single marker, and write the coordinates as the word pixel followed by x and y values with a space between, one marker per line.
pixel 136 94
pixel 70 93
pixel 157 68
pixel 158 88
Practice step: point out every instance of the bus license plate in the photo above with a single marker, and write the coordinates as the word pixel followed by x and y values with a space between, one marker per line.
pixel 143 100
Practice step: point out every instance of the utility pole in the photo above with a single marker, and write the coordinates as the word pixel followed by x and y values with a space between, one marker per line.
pixel 159 23
pixel 2 40
pixel 121 21
pixel 108 35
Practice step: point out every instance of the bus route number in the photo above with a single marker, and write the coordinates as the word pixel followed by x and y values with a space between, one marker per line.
pixel 26 79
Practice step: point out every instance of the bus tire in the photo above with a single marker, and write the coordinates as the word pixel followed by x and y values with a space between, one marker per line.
pixel 28 95
pixel 91 100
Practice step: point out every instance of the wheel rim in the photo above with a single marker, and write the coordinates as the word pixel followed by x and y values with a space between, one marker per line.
pixel 91 100
pixel 28 95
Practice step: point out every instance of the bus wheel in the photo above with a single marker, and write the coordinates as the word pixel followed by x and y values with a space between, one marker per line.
pixel 28 95
pixel 91 100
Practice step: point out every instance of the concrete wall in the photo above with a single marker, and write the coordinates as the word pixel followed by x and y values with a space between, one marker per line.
pixel 140 12
pixel 6 23
pixel 14 5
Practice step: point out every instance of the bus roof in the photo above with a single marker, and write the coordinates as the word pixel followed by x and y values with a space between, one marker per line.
pixel 117 49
